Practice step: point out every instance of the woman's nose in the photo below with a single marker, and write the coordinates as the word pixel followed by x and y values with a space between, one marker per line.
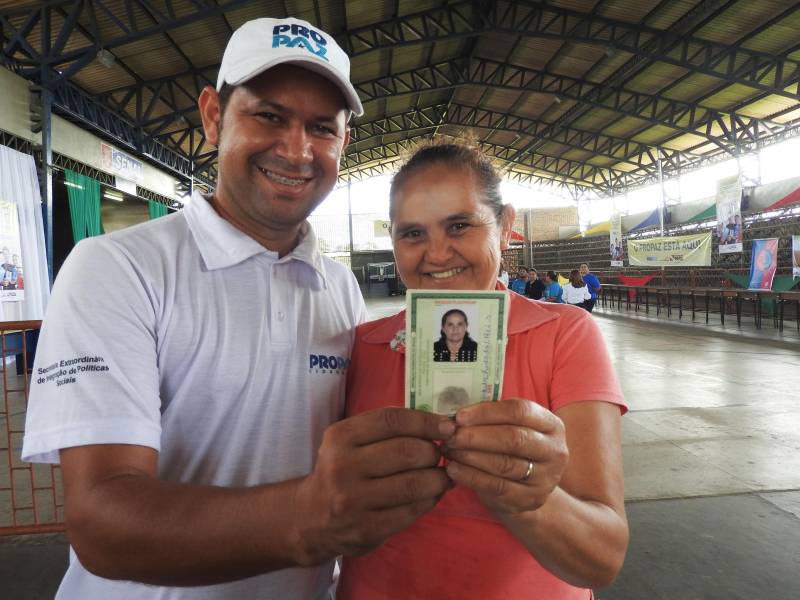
pixel 439 249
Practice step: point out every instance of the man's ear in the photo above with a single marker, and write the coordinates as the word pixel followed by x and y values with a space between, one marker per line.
pixel 506 226
pixel 209 113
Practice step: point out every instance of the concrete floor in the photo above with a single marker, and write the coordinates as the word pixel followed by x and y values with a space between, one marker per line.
pixel 712 464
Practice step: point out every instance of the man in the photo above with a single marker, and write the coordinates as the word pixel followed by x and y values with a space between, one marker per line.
pixel 592 282
pixel 190 368
pixel 535 286
pixel 520 284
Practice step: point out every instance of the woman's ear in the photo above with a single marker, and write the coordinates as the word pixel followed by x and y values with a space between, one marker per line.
pixel 506 226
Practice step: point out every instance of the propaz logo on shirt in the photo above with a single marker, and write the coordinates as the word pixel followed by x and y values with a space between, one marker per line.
pixel 324 363
pixel 295 35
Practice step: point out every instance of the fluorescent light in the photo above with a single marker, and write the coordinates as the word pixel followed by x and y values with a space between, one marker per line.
pixel 113 196
pixel 73 185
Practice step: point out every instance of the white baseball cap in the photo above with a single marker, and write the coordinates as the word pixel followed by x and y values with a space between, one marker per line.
pixel 261 44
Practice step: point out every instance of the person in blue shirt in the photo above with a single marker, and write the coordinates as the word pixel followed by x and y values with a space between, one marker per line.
pixel 552 289
pixel 520 283
pixel 592 282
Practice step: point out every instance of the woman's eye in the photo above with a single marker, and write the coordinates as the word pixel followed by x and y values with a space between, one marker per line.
pixel 458 227
pixel 412 234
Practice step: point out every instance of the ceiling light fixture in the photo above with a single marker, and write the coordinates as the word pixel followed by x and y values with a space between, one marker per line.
pixel 116 197
pixel 106 58
pixel 557 99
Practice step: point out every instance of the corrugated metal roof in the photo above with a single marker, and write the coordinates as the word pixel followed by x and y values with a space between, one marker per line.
pixel 648 85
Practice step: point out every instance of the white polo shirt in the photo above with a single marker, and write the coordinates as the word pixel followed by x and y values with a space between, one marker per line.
pixel 185 335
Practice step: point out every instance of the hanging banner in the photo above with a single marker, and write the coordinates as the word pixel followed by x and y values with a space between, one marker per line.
pixel 615 240
pixel 672 251
pixel 796 255
pixel 763 264
pixel 12 284
pixel 729 215
pixel 381 228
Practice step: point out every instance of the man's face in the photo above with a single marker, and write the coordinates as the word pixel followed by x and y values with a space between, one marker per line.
pixel 279 140
pixel 454 328
pixel 522 275
pixel 584 269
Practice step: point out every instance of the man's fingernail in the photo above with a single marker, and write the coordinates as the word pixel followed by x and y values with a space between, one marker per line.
pixel 447 427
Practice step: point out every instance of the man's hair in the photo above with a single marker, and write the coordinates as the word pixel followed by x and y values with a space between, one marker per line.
pixel 522 269
pixel 224 97
pixel 456 156
pixel 584 263
pixel 534 270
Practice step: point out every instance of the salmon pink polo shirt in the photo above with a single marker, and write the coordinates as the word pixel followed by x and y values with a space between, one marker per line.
pixel 555 356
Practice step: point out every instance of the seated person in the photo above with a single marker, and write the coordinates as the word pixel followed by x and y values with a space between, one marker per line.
pixel 455 345
pixel 536 510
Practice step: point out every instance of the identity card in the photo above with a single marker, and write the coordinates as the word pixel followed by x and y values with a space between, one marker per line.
pixel 455 348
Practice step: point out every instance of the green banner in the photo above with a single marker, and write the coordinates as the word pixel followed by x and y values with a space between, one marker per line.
pixel 673 251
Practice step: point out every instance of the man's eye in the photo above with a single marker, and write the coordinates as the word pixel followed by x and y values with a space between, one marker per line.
pixel 325 130
pixel 272 117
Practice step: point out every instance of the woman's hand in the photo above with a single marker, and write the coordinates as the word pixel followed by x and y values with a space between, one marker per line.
pixel 511 453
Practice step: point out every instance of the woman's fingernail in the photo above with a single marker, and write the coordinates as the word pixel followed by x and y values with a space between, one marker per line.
pixel 447 427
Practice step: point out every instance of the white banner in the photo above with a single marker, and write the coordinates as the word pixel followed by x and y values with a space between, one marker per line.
pixel 615 240
pixel 729 215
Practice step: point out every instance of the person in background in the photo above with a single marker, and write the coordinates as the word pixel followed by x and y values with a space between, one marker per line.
pixel 536 510
pixel 552 289
pixel 520 283
pixel 502 275
pixel 592 282
pixel 535 286
pixel 196 365
pixel 576 292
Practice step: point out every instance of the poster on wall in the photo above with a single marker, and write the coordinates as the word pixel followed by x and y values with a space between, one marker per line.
pixel 673 251
pixel 763 264
pixel 12 284
pixel 615 240
pixel 381 228
pixel 796 255
pixel 729 215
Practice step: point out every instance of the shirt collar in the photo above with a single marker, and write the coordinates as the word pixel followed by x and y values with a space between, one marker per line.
pixel 524 314
pixel 223 245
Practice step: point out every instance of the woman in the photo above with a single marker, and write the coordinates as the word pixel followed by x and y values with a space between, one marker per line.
pixel 537 509
pixel 553 292
pixel 502 275
pixel 576 292
pixel 455 345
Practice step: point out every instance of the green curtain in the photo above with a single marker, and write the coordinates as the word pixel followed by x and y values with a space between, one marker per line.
pixel 84 205
pixel 157 209
pixel 781 283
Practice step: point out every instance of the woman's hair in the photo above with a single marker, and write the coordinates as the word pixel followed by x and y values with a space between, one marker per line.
pixel 456 156
pixel 454 311
pixel 552 275
pixel 575 278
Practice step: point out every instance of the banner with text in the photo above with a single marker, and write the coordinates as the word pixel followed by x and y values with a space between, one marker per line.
pixel 763 263
pixel 674 251
pixel 729 215
pixel 615 240
pixel 796 255
pixel 117 162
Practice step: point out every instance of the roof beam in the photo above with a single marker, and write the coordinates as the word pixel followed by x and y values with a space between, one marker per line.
pixel 730 63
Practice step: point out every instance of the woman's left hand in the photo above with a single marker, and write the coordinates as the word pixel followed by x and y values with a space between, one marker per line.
pixel 511 453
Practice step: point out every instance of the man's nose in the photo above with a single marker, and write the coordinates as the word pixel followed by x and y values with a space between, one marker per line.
pixel 295 145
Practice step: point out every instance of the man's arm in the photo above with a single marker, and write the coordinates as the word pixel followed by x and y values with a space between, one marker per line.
pixel 375 475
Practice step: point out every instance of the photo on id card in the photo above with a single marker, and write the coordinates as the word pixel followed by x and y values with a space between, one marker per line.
pixel 455 348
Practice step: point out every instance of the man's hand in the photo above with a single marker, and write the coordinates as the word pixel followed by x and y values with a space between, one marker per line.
pixel 494 447
pixel 375 475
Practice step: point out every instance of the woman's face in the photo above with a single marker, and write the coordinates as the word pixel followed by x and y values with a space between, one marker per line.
pixel 455 327
pixel 444 236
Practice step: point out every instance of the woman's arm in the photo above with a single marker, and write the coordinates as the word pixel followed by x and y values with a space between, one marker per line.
pixel 570 512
